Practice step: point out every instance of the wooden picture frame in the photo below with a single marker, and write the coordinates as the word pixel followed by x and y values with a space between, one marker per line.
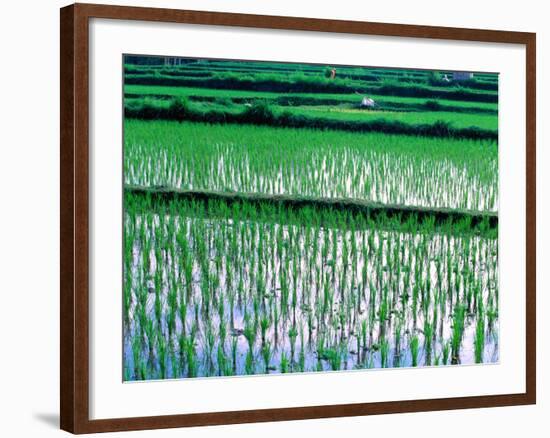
pixel 74 226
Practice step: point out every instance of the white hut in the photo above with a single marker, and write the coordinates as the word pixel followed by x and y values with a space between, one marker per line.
pixel 462 76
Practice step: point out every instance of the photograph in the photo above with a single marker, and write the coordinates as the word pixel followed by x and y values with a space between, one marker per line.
pixel 297 218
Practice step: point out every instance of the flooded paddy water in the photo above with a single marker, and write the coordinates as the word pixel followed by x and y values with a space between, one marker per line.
pixel 214 290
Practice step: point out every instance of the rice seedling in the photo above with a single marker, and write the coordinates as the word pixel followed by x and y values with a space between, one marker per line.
pixel 414 350
pixel 161 348
pixel 479 340
pixel 384 352
pixel 267 353
pixel 285 363
pixel 457 332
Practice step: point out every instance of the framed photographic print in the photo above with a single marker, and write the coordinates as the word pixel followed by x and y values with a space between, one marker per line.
pixel 273 218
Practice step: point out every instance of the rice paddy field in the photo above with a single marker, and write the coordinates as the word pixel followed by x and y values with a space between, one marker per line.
pixel 273 224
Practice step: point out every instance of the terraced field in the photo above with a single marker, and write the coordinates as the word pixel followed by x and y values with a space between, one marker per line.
pixel 274 224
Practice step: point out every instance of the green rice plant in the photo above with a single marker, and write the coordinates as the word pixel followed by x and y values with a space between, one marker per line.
pixel 161 344
pixel 182 344
pixel 148 327
pixel 171 321
pixel 221 360
pixel 174 363
pixel 172 302
pixel 264 326
pixel 302 354
pixel 182 310
pixel 398 327
pixel 158 306
pixel 428 339
pixel 492 315
pixel 370 361
pixel 267 353
pixel 292 335
pixel 364 333
pixel 320 346
pixel 384 352
pixel 249 363
pixel 127 374
pixel 276 319
pixel 127 301
pixel 334 358
pixel 192 365
pixel 285 363
pixel 143 372
pixel 457 332
pixel 209 340
pixel 445 352
pixel 415 295
pixel 222 332
pixel 136 354
pixel 479 340
pixel 250 333
pixel 413 345
pixel 234 347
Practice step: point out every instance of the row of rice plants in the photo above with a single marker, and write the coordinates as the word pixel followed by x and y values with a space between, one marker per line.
pixel 302 83
pixel 251 69
pixel 396 170
pixel 136 64
pixel 309 101
pixel 190 66
pixel 261 113
pixel 213 289
pixel 250 95
pixel 458 118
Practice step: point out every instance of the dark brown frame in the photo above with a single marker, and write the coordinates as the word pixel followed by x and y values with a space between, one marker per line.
pixel 74 231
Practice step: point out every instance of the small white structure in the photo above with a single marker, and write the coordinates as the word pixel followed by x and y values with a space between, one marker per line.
pixel 172 61
pixel 462 76
pixel 367 102
pixel 445 78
